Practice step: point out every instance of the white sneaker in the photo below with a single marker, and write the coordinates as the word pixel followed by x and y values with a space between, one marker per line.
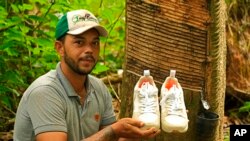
pixel 146 104
pixel 173 109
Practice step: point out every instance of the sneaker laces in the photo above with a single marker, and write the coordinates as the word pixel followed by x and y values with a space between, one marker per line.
pixel 172 101
pixel 147 99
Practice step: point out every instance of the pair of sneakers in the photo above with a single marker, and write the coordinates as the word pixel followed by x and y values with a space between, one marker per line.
pixel 146 104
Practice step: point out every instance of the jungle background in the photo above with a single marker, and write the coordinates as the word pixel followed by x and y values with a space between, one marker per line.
pixel 27 51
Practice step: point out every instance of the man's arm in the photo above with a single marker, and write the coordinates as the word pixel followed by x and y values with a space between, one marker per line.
pixel 106 134
pixel 124 129
pixel 52 136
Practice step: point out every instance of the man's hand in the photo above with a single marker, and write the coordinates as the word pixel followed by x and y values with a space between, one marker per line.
pixel 125 129
pixel 131 128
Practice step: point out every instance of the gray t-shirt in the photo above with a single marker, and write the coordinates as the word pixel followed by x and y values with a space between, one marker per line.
pixel 51 104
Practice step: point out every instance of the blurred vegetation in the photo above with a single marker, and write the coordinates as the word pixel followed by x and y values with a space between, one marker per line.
pixel 238 23
pixel 27 44
pixel 238 37
pixel 238 41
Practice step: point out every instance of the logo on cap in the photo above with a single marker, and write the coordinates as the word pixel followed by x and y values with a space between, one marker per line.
pixel 86 17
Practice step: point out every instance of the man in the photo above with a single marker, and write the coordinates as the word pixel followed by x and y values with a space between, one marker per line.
pixel 68 104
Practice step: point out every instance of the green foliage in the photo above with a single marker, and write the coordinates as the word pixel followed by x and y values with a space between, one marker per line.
pixel 27 41
pixel 245 107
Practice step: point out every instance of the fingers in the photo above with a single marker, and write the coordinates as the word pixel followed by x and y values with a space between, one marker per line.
pixel 151 132
pixel 133 122
pixel 142 133
pixel 133 131
pixel 154 132
pixel 131 128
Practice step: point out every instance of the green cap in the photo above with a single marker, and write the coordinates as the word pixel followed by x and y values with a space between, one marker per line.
pixel 77 22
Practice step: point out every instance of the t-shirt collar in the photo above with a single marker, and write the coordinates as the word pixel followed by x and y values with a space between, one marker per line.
pixel 66 84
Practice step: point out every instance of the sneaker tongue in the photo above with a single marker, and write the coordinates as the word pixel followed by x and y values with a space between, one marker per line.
pixel 170 84
pixel 147 89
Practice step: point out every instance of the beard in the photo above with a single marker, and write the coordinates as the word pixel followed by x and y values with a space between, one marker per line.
pixel 73 65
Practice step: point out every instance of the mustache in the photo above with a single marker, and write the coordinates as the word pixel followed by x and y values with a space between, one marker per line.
pixel 87 57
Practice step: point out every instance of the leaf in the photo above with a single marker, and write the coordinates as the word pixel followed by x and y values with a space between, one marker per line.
pixel 36 51
pixel 15 8
pixel 11 51
pixel 11 77
pixel 99 68
pixel 6 101
pixel 245 107
pixel 14 35
pixel 27 7
pixel 35 18
pixel 3 89
pixel 7 44
pixel 24 29
pixel 15 92
pixel 49 56
pixel 3 14
pixel 2 62
pixel 43 42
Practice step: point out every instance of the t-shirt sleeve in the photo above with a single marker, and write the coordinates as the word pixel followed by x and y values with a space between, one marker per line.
pixel 46 110
pixel 109 115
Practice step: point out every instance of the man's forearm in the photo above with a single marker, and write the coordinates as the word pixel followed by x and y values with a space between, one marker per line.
pixel 106 134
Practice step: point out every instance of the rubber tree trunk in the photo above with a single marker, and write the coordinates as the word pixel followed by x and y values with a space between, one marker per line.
pixel 217 52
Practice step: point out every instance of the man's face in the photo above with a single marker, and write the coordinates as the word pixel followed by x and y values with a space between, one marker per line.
pixel 81 51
